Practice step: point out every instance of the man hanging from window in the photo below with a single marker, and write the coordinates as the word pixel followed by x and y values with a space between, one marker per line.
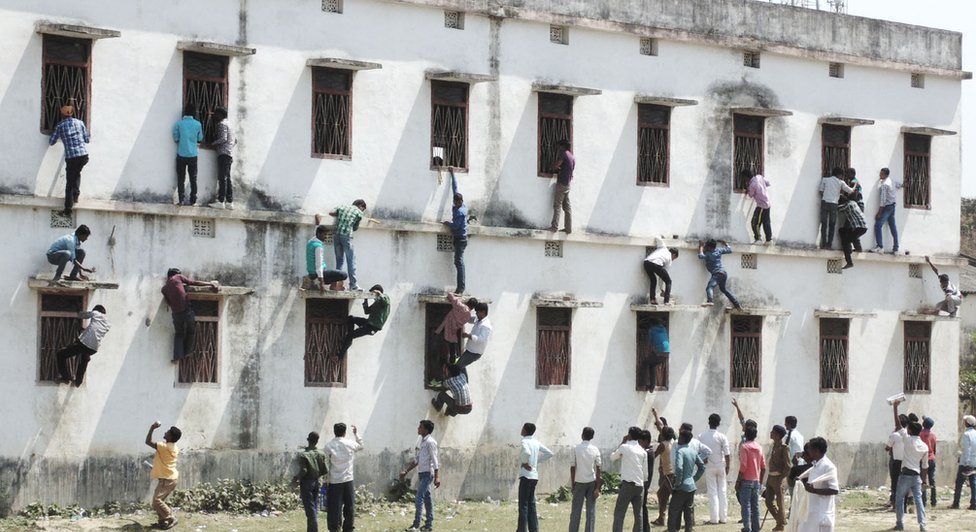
pixel 224 144
pixel 67 250
pixel 459 400
pixel 318 271
pixel 347 218
pixel 831 187
pixel 953 297
pixel 656 265
pixel 760 216
pixel 852 226
pixel 452 326
pixel 85 346
pixel 74 136
pixel 187 134
pixel 378 312
pixel 660 345
pixel 886 212
pixel 184 320
pixel 459 229
pixel 477 338
pixel 565 164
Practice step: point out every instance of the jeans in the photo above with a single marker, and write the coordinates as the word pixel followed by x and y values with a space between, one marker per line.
pixel 962 478
pixel 849 241
pixel 930 475
pixel 62 259
pixel 72 183
pixel 774 499
pixel 466 359
pixel 185 324
pixel 632 495
pixel 424 500
pixel 225 187
pixel 310 501
pixel 83 352
pixel 828 223
pixel 528 519
pixel 654 271
pixel 459 244
pixel 560 201
pixel 718 500
pixel 887 216
pixel 186 165
pixel 583 492
pixel 344 251
pixel 749 500
pixel 894 469
pixel 760 217
pixel 719 278
pixel 682 506
pixel 341 506
pixel 329 276
pixel 908 483
pixel 358 327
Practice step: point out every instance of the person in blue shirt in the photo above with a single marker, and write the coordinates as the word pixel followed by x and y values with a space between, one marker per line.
pixel 711 253
pixel 459 229
pixel 187 134
pixel 657 339
pixel 688 468
pixel 67 249
pixel 74 136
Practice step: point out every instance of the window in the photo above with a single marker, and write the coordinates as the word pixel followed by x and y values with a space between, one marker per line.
pixel 653 144
pixel 454 20
pixel 918 81
pixel 917 165
pixel 449 122
pixel 555 124
pixel 836 148
pixel 60 327
pixel 325 327
pixel 205 88
pixel 751 59
pixel 833 354
pixel 558 34
pixel 917 356
pixel 748 149
pixel 836 70
pixel 65 80
pixel 201 364
pixel 332 6
pixel 648 46
pixel 647 381
pixel 331 111
pixel 553 352
pixel 746 350
pixel 437 351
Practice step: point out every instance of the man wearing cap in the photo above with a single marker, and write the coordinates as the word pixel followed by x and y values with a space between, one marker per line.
pixel 184 320
pixel 74 136
pixel 928 437
pixel 967 463
pixel 378 312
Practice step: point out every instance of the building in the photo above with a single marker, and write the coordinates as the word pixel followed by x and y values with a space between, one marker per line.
pixel 346 99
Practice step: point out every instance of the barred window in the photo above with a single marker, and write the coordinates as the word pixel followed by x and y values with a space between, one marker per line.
pixel 60 327
pixel 65 80
pixel 553 352
pixel 437 351
pixel 653 144
pixel 836 148
pixel 918 369
pixel 748 149
pixel 325 326
pixel 746 351
pixel 331 111
pixel 202 364
pixel 555 124
pixel 833 354
pixel 205 88
pixel 449 122
pixel 918 182
pixel 646 380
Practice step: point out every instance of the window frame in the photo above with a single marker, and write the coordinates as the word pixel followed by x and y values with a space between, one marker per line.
pixel 733 335
pixel 86 66
pixel 663 370
pixel 41 314
pixel 434 103
pixel 539 330
pixel 825 166
pixel 434 314
pixel 551 116
pixel 316 91
pixel 342 323
pixel 641 127
pixel 218 340
pixel 845 343
pixel 761 137
pixel 927 325
pixel 225 83
pixel 928 171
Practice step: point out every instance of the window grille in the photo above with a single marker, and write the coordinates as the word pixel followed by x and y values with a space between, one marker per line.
pixel 558 34
pixel 751 59
pixel 555 124
pixel 918 81
pixel 917 183
pixel 749 261
pixel 836 70
pixel 205 88
pixel 748 149
pixel 554 249
pixel 917 356
pixel 653 144
pixel 201 364
pixel 836 148
pixel 326 322
pixel 65 79
pixel 331 111
pixel 327 239
pixel 62 220
pixel 203 228
pixel 746 351
pixel 449 122
pixel 915 271
pixel 648 46
pixel 437 351
pixel 332 6
pixel 445 243
pixel 553 350
pixel 835 266
pixel 659 379
pixel 60 327
pixel 834 354
pixel 454 20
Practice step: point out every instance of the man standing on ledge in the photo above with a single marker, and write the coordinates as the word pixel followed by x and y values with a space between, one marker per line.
pixel 347 218
pixel 428 472
pixel 459 229
pixel 74 136
pixel 184 320
pixel 187 134
pixel 565 164
pixel 164 472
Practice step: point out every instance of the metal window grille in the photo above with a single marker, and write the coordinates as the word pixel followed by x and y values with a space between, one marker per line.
pixel 331 111
pixel 918 368
pixel 65 79
pixel 647 381
pixel 554 249
pixel 553 350
pixel 653 144
pixel 449 122
pixel 648 46
pixel 748 149
pixel 60 327
pixel 555 124
pixel 751 59
pixel 915 271
pixel 205 88
pixel 326 322
pixel 203 228
pixel 332 6
pixel 558 34
pixel 918 149
pixel 836 148
pixel 918 81
pixel 437 351
pixel 836 70
pixel 749 261
pixel 201 364
pixel 445 243
pixel 834 354
pixel 454 20
pixel 746 352
pixel 62 220
pixel 835 266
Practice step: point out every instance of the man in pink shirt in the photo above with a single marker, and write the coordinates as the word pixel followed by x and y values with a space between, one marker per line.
pixel 929 438
pixel 757 191
pixel 752 469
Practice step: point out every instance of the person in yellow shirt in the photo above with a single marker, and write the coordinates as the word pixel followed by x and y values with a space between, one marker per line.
pixel 164 471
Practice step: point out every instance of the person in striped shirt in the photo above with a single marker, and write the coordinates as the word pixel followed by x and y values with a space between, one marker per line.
pixel 852 227
pixel 459 400
pixel 74 135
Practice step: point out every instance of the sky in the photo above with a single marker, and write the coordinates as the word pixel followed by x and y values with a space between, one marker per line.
pixel 956 15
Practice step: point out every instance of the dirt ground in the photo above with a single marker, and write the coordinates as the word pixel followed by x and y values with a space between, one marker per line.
pixel 860 511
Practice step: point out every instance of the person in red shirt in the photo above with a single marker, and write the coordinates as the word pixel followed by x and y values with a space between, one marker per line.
pixel 752 469
pixel 184 320
pixel 928 437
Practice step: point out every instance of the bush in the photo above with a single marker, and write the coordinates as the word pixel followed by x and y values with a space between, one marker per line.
pixel 610 482
pixel 242 497
pixel 563 494
pixel 400 491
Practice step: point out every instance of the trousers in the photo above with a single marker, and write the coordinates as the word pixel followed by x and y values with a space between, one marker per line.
pixel 61 259
pixel 341 506
pixel 583 493
pixel 164 487
pixel 84 354
pixel 72 183
pixel 185 324
pixel 225 187
pixel 653 271
pixel 184 166
pixel 560 202
pixel 631 495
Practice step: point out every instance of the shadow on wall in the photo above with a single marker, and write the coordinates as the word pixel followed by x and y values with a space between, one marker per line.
pixel 512 175
pixel 613 212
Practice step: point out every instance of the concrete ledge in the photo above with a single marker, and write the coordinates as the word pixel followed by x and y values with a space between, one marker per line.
pixel 346 64
pixel 213 48
pixel 569 90
pixel 460 77
pixel 931 131
pixel 564 302
pixel 442 298
pixel 221 290
pixel 746 311
pixel 760 111
pixel 645 307
pixel 46 282
pixel 661 100
pixel 918 316
pixel 841 313
pixel 845 121
pixel 75 30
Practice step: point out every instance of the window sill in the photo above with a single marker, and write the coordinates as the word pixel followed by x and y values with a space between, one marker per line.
pixel 325 384
pixel 332 156
pixel 44 282
pixel 653 184
pixel 757 312
pixel 566 301
pixel 221 290
pixel 442 298
pixel 210 385
pixel 455 169
pixel 917 316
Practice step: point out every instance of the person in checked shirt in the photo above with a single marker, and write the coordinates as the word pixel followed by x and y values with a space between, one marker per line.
pixel 347 218
pixel 340 455
pixel 459 400
pixel 74 135
pixel 428 472
pixel 85 346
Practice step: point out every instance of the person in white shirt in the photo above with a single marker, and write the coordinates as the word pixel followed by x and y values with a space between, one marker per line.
pixel 584 477
pixel 532 454
pixel 886 212
pixel 428 466
pixel 656 265
pixel 830 189
pixel 896 448
pixel 821 486
pixel 633 474
pixel 477 338
pixel 795 441
pixel 953 297
pixel 915 459
pixel 340 454
pixel 84 347
pixel 716 470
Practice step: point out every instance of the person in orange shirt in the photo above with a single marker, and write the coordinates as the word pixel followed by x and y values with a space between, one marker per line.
pixel 928 437
pixel 164 471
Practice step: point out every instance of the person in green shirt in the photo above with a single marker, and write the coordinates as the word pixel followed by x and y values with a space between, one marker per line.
pixel 319 273
pixel 347 218
pixel 378 312
pixel 312 465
